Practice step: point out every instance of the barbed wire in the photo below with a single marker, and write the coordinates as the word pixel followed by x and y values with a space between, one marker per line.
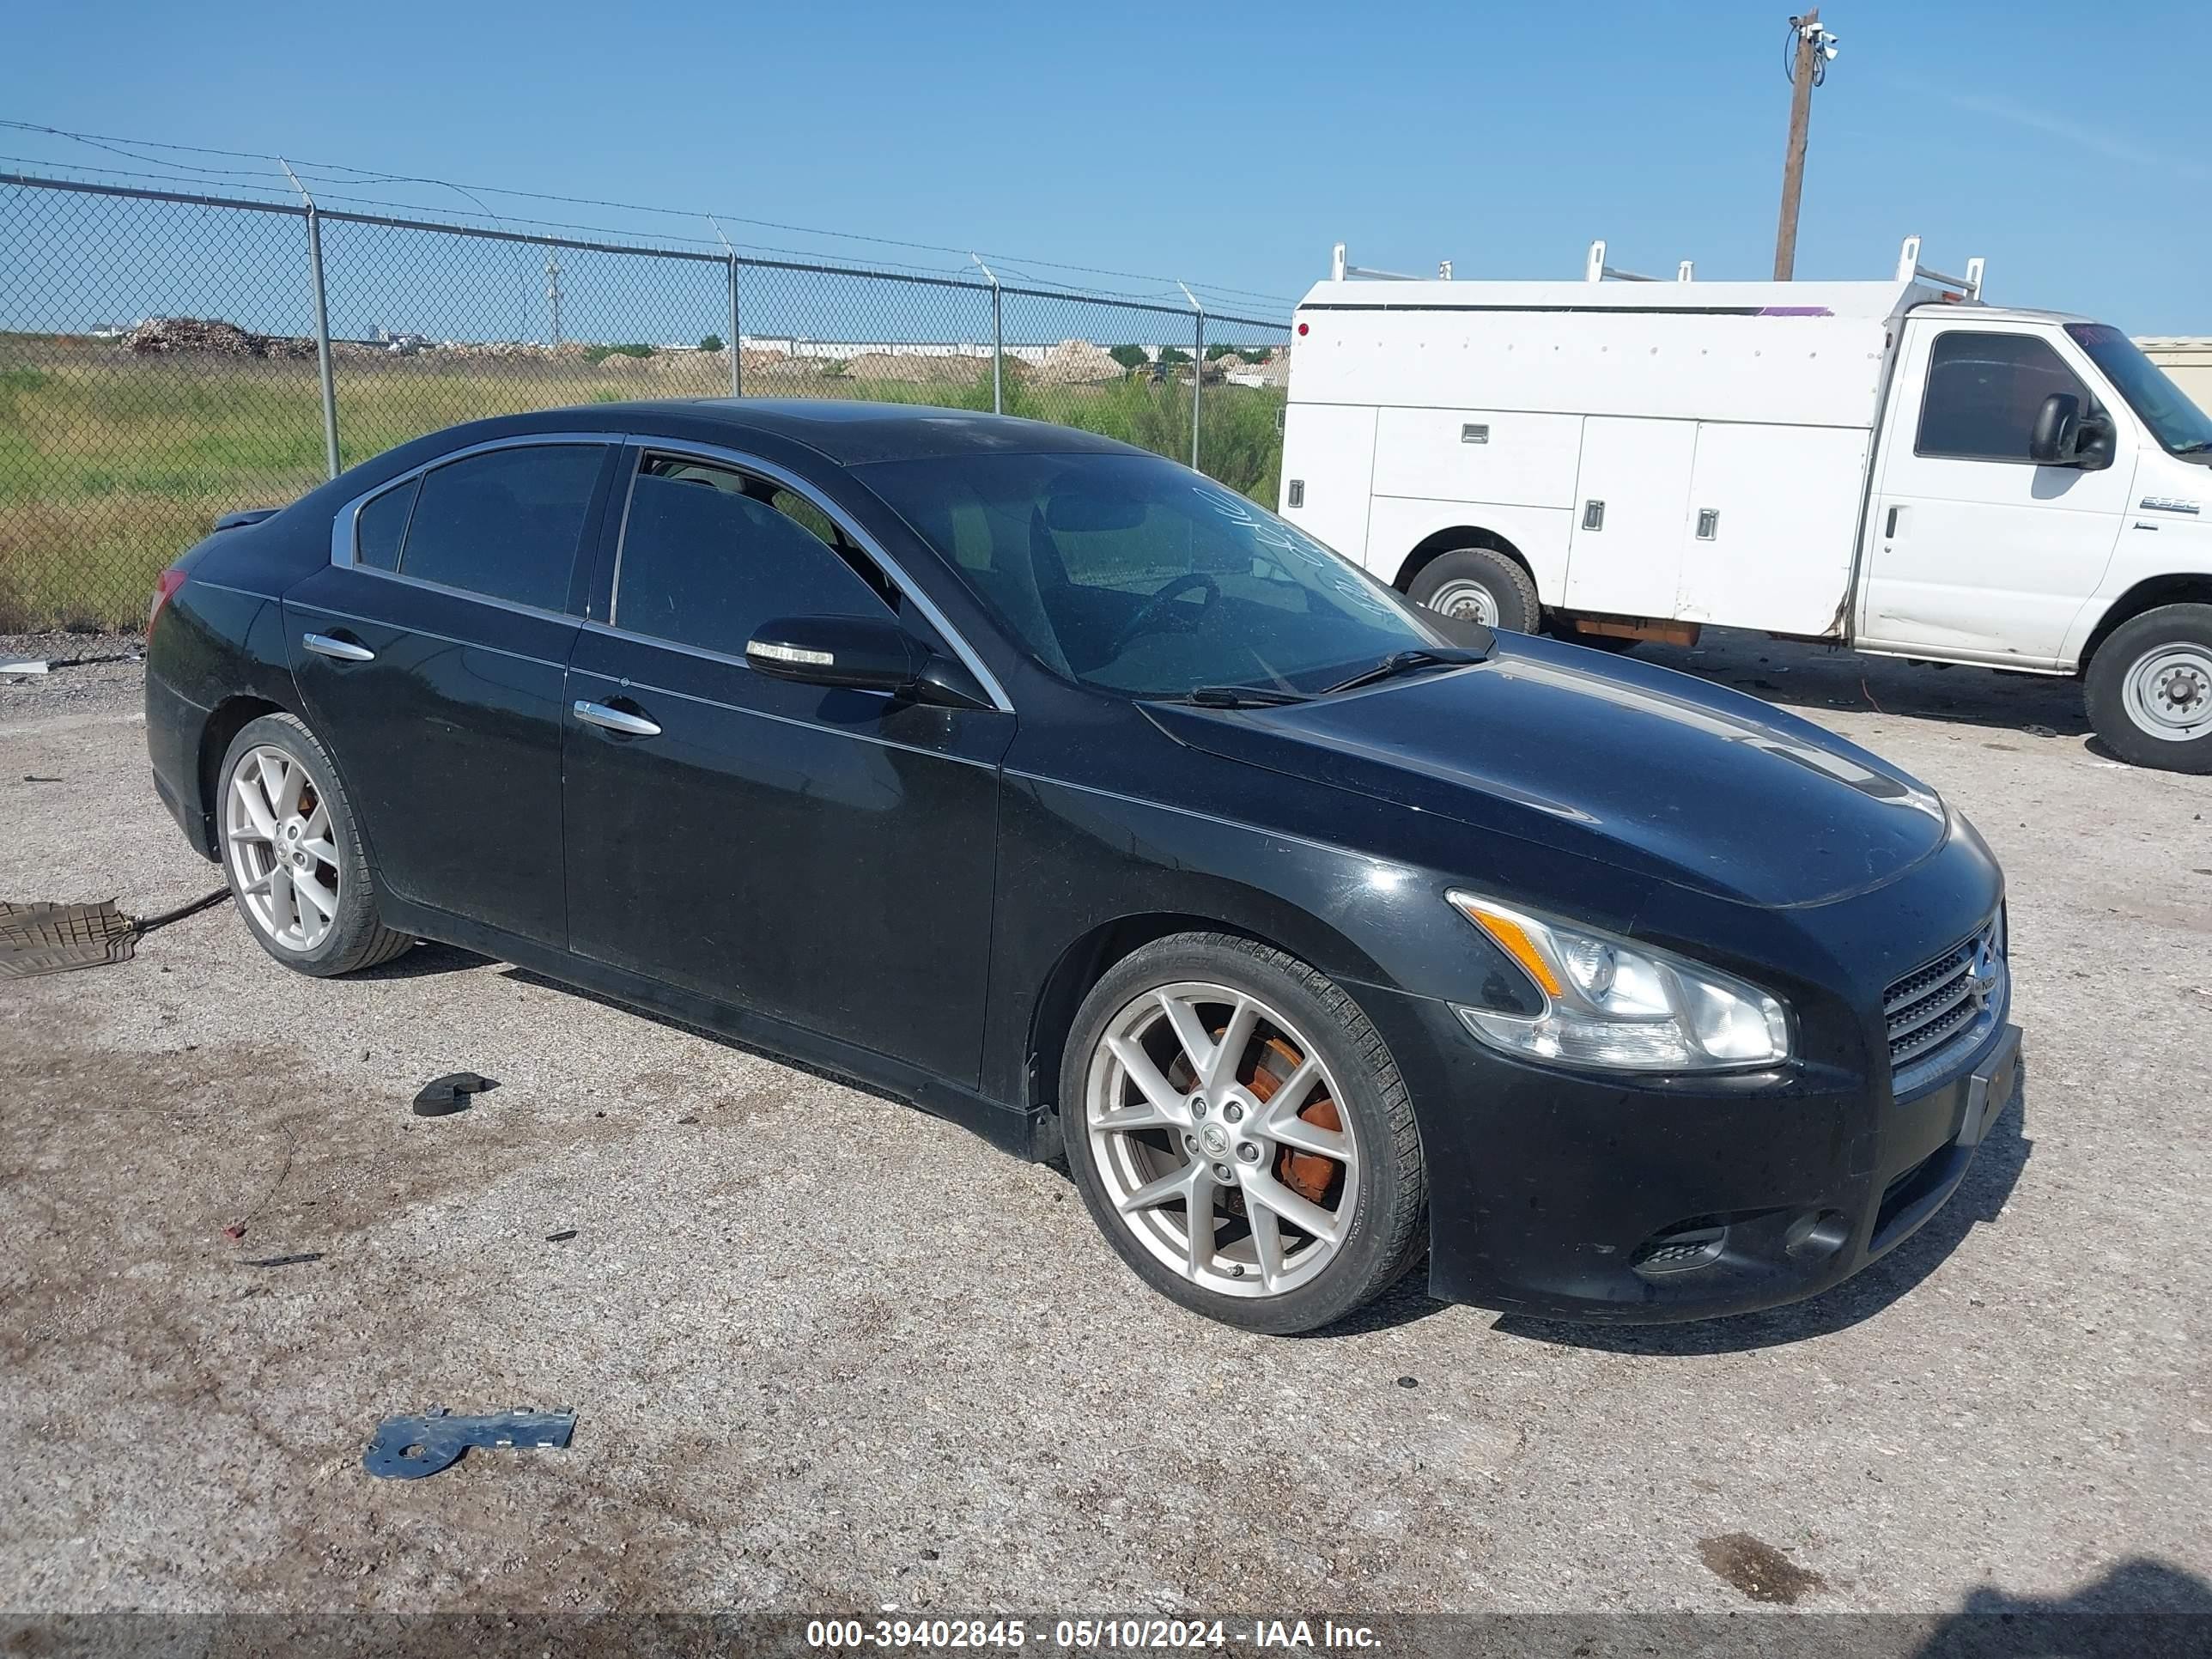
pixel 323 173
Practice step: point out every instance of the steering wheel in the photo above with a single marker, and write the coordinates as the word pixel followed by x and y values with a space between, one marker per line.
pixel 1155 611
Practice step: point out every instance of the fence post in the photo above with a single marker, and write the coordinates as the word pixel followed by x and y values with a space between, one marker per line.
pixel 322 320
pixel 1197 367
pixel 737 369
pixel 997 338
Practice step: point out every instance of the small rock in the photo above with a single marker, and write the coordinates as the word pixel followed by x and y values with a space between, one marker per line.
pixel 1408 1383
pixel 2038 731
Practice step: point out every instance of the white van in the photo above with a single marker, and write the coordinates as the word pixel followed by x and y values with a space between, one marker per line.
pixel 1892 465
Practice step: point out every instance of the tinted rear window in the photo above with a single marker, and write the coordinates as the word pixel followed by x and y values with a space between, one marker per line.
pixel 505 524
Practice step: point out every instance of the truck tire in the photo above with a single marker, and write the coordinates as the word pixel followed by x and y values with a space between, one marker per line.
pixel 2150 689
pixel 1478 584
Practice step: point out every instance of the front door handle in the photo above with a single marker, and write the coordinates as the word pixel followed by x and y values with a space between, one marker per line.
pixel 343 650
pixel 615 719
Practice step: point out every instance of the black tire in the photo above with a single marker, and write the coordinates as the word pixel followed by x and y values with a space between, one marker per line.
pixel 1386 1230
pixel 2168 653
pixel 1444 584
pixel 357 938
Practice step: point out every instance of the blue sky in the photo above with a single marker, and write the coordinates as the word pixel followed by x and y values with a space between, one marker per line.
pixel 1234 143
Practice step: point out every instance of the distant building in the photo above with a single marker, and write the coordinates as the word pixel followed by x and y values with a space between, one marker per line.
pixel 2187 360
pixel 108 330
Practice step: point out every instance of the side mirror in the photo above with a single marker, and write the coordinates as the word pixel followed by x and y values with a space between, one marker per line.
pixel 2052 440
pixel 863 653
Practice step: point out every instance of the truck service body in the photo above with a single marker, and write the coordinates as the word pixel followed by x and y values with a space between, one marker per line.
pixel 1851 461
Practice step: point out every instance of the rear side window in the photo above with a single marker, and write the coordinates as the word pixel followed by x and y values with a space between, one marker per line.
pixel 1983 390
pixel 505 524
pixel 379 527
pixel 709 553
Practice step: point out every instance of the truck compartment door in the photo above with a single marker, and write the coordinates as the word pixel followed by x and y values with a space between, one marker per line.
pixel 1631 492
pixel 1328 473
pixel 1774 514
pixel 1480 456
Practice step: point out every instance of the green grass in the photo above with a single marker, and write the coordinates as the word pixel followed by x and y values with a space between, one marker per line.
pixel 112 465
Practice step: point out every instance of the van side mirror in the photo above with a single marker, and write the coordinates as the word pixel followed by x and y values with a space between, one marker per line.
pixel 2063 435
pixel 2057 429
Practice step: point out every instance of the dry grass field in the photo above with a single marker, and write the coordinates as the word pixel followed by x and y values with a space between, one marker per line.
pixel 112 463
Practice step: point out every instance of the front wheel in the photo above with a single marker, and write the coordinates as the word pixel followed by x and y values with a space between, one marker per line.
pixel 2150 689
pixel 1240 1136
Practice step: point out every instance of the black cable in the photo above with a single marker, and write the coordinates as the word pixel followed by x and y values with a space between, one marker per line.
pixel 143 925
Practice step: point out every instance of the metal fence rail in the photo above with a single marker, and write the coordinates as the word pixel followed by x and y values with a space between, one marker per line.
pixel 166 357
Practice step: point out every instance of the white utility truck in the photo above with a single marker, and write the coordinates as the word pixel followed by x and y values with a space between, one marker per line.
pixel 1893 466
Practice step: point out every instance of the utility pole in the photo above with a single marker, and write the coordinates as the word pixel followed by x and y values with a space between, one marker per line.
pixel 1811 50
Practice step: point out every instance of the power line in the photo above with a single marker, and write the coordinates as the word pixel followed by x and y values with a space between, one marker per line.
pixel 320 173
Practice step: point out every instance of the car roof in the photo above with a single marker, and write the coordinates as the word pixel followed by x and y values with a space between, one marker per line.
pixel 849 432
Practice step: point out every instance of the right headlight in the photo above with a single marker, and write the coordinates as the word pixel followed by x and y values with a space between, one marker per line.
pixel 1619 1006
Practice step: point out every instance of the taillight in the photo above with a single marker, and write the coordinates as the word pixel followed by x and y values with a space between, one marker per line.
pixel 164 585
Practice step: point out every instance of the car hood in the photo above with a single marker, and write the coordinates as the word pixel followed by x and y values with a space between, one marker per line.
pixel 1651 771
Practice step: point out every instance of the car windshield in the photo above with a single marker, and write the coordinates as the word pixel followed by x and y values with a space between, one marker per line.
pixel 2163 407
pixel 1132 574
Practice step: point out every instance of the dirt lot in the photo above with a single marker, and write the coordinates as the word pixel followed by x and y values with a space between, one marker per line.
pixel 830 1355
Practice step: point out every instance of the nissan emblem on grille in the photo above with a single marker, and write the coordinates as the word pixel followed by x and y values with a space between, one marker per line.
pixel 1938 1002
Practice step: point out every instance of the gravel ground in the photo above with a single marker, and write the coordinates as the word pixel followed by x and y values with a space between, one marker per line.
pixel 830 1353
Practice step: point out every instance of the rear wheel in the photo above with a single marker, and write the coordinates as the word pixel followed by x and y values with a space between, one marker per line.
pixel 1240 1134
pixel 2150 689
pixel 293 852
pixel 1478 584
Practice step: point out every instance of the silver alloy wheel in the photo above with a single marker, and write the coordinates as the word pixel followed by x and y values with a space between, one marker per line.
pixel 1193 1106
pixel 277 836
pixel 1465 598
pixel 2168 692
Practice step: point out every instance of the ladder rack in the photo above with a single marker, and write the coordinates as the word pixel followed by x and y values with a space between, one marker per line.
pixel 1909 268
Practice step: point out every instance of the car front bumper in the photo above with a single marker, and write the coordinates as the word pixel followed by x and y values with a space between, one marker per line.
pixel 1563 1195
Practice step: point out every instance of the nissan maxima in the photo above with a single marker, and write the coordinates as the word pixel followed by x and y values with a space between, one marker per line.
pixel 1053 787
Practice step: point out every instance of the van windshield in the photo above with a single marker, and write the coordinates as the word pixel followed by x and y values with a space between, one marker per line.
pixel 1132 574
pixel 2177 425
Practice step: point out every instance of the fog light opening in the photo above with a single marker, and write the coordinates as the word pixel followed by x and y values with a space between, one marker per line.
pixel 1816 1233
pixel 1680 1249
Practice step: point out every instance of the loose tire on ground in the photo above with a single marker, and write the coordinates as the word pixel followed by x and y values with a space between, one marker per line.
pixel 2150 689
pixel 1480 584
pixel 292 854
pixel 1165 1098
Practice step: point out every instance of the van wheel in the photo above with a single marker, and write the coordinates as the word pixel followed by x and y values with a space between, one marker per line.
pixel 1478 584
pixel 2150 689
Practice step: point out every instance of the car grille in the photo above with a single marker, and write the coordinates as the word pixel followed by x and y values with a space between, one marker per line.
pixel 1946 999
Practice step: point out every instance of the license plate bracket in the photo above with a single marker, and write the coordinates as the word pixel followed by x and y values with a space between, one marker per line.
pixel 1990 1087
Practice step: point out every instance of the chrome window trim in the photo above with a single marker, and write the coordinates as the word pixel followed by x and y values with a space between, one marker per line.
pixel 717 454
pixel 344 532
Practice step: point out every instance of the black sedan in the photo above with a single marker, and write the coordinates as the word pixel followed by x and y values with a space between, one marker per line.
pixel 1049 786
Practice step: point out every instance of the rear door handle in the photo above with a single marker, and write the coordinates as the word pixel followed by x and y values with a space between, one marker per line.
pixel 343 650
pixel 615 719
pixel 1889 531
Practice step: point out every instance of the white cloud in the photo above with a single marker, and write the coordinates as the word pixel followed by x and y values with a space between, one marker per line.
pixel 2099 141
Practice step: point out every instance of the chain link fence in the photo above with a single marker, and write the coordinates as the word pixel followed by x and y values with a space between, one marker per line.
pixel 165 358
